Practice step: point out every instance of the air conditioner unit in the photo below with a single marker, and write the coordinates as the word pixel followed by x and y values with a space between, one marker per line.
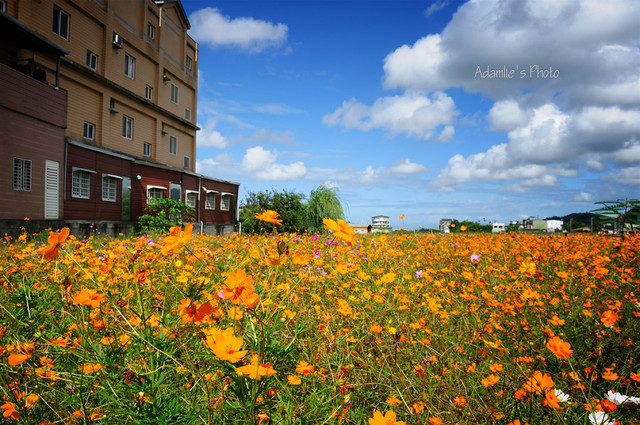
pixel 117 41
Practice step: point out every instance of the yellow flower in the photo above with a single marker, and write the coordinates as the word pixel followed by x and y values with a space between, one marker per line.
pixel 269 216
pixel 340 229
pixel 389 418
pixel 225 345
pixel 255 369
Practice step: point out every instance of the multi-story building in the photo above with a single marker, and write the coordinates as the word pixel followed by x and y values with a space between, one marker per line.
pixel 125 73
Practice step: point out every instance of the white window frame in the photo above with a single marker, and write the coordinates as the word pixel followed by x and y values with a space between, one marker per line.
pixel 187 114
pixel 89 131
pixel 175 93
pixel 146 149
pixel 92 60
pixel 3 6
pixel 22 174
pixel 81 183
pixel 186 162
pixel 173 145
pixel 148 92
pixel 153 190
pixel 129 66
pixel 57 26
pixel 225 197
pixel 210 200
pixel 127 127
pixel 191 198
pixel 189 62
pixel 110 187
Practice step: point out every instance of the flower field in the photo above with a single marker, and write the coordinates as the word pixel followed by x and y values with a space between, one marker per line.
pixel 331 329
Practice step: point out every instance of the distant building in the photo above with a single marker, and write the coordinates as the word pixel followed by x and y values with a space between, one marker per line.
pixel 498 227
pixel 445 225
pixel 553 225
pixel 361 228
pixel 380 224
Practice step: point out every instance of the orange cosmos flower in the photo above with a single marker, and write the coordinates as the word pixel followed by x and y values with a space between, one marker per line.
pixel 609 318
pixel 225 345
pixel 418 407
pixel 559 347
pixel 31 400
pixel 392 399
pixel 376 328
pixel 269 216
pixel 490 380
pixel 88 297
pixel 88 368
pixel 463 228
pixel 460 401
pixel 389 418
pixel 16 359
pixel 294 380
pixel 176 238
pixel 435 421
pixel 10 411
pixel 401 217
pixel 608 375
pixel 238 288
pixel 304 368
pixel 255 369
pixel 538 383
pixel 56 239
pixel 340 228
pixel 550 399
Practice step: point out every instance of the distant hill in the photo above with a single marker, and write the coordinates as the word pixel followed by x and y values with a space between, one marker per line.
pixel 584 217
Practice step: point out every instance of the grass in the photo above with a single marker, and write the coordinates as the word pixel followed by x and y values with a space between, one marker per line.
pixel 450 329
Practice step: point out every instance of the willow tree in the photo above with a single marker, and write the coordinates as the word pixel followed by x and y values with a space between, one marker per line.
pixel 323 203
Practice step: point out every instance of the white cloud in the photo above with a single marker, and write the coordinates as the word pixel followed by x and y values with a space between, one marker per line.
pixel 262 164
pixel 405 167
pixel 412 113
pixel 446 134
pixel 588 42
pixel 370 175
pixel 506 115
pixel 583 196
pixel 266 135
pixel 276 109
pixel 209 136
pixel 435 6
pixel 211 27
pixel 630 176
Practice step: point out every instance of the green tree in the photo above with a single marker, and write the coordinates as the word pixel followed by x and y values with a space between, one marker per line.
pixel 290 206
pixel 620 213
pixel 163 214
pixel 323 203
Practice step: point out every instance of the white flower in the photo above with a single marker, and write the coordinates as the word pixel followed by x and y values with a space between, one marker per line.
pixel 600 418
pixel 619 399
pixel 561 396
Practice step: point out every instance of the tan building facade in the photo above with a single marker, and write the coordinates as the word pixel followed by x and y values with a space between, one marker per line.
pixel 130 74
pixel 124 75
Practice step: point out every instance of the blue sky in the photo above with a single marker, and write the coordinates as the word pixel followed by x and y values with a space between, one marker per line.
pixel 488 110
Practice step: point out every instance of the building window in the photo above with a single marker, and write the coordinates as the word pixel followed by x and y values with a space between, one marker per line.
pixel 225 202
pixel 210 201
pixel 61 22
pixel 191 199
pixel 147 149
pixel 127 127
pixel 89 132
pixel 189 62
pixel 173 145
pixel 3 6
pixel 187 162
pixel 174 93
pixel 21 174
pixel 109 188
pixel 148 92
pixel 187 114
pixel 155 193
pixel 80 184
pixel 92 60
pixel 151 31
pixel 129 66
